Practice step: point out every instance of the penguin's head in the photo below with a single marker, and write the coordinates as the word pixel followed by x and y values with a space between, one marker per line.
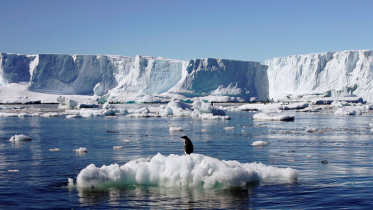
pixel 184 137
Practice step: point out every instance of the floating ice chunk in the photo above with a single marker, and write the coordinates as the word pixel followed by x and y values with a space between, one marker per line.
pixel 310 109
pixel 293 106
pixel 259 143
pixel 72 112
pixel 65 103
pixel 229 128
pixel 20 138
pixel 54 150
pixel 204 130
pixel 269 117
pixel 126 140
pixel 193 170
pixel 81 150
pixel 91 112
pixel 107 106
pixel 70 182
pixel 311 130
pixel 345 111
pixel 8 115
pixel 173 129
pixel 339 104
pixel 309 156
pixel 143 112
pixel 118 147
pixel 13 170
pixel 210 116
pixel 52 114
pixel 73 116
pixel 201 107
pixel 177 108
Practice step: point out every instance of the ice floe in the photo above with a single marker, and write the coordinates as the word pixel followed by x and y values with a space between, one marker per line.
pixel 81 150
pixel 195 170
pixel 271 117
pixel 21 137
pixel 259 143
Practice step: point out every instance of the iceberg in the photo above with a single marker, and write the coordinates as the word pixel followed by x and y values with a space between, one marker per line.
pixel 195 170
pixel 332 74
pixel 119 79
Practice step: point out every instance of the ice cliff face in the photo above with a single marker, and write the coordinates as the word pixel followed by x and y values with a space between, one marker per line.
pixel 223 77
pixel 331 73
pixel 125 78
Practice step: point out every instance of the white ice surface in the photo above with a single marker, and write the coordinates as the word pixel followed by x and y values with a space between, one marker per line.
pixel 20 137
pixel 271 117
pixel 193 170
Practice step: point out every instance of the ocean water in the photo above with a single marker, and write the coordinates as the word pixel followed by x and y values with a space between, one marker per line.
pixel 345 142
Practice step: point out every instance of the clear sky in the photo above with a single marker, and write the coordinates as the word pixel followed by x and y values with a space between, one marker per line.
pixel 253 30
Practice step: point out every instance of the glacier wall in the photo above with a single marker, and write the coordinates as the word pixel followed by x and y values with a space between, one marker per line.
pixel 222 77
pixel 331 73
pixel 124 78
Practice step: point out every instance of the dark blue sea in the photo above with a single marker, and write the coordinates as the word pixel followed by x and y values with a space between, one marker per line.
pixel 32 177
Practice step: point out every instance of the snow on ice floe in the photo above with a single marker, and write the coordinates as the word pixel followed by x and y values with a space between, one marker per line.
pixel 259 143
pixel 21 137
pixel 73 116
pixel 175 129
pixel 271 117
pixel 81 150
pixel 293 106
pixel 195 170
pixel 348 111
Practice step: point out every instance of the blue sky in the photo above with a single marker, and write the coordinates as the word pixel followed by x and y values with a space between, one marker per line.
pixel 186 29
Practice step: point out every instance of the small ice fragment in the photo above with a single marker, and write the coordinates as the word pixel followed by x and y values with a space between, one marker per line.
pixel 126 140
pixel 71 182
pixel 118 147
pixel 229 128
pixel 73 116
pixel 290 160
pixel 204 130
pixel 54 150
pixel 176 129
pixel 13 170
pixel 311 130
pixel 20 138
pixel 309 156
pixel 81 150
pixel 260 143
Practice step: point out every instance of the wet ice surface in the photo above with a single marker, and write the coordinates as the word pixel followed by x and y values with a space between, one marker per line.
pixel 31 176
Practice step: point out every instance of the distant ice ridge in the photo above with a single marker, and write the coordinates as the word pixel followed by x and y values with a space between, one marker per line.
pixel 139 79
pixel 331 74
pixel 195 170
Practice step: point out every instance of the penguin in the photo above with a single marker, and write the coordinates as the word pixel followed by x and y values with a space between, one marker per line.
pixel 188 145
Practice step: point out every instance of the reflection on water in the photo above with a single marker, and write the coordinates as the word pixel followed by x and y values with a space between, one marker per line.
pixel 166 198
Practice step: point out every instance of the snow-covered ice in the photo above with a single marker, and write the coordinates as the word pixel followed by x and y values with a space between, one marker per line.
pixel 20 137
pixel 174 129
pixel 259 143
pixel 271 117
pixel 81 150
pixel 127 79
pixel 54 150
pixel 332 74
pixel 195 170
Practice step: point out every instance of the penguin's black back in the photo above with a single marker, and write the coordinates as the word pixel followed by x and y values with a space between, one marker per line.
pixel 188 145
